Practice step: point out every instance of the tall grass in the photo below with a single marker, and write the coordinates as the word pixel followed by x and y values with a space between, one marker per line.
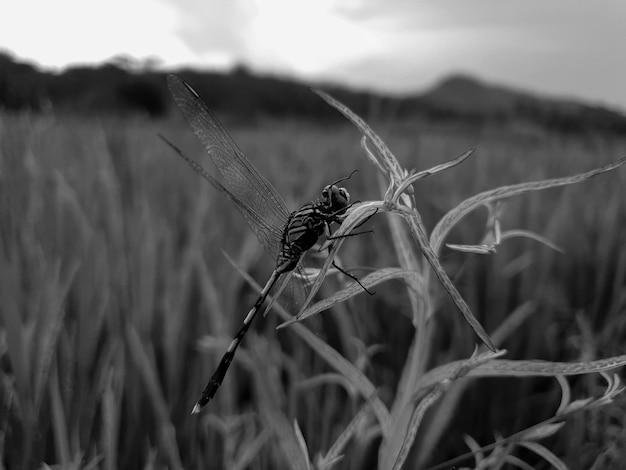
pixel 116 302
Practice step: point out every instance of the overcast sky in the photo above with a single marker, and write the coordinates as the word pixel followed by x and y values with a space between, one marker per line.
pixel 563 47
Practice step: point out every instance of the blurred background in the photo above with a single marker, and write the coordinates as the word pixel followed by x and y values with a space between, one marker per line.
pixel 116 299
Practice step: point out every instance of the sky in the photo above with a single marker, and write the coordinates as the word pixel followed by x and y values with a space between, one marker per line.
pixel 567 48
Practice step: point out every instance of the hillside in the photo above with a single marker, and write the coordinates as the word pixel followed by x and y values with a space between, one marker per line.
pixel 124 87
pixel 467 97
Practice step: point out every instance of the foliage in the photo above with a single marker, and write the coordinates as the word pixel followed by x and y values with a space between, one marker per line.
pixel 116 302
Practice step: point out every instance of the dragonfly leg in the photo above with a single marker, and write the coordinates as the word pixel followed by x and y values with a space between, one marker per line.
pixel 348 235
pixel 353 277
pixel 352 234
pixel 360 224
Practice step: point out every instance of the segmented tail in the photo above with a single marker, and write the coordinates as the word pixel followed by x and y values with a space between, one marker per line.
pixel 222 368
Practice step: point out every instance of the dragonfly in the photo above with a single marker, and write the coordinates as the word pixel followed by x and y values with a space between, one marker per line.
pixel 285 235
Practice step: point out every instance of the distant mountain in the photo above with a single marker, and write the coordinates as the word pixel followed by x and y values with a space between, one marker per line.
pixel 464 97
pixel 465 94
pixel 124 86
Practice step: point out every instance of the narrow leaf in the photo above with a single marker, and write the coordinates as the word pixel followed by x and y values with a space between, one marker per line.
pixel 412 278
pixel 546 454
pixel 448 221
pixel 419 234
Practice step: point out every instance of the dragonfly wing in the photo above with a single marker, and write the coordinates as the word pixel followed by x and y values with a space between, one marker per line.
pixel 291 291
pixel 267 234
pixel 255 197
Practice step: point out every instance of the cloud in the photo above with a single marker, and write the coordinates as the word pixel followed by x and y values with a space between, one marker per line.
pixel 72 31
pixel 560 46
pixel 214 29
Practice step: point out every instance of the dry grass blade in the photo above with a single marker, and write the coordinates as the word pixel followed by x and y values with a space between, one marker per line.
pixel 540 430
pixel 330 378
pixel 110 422
pixel 47 333
pixel 340 443
pixel 401 242
pixel 416 418
pixel 398 453
pixel 540 450
pixel 474 447
pixel 547 368
pixel 510 459
pixel 59 423
pixel 544 431
pixel 6 398
pixel 271 403
pixel 452 217
pixel 409 180
pixel 148 374
pixel 389 164
pixel 18 351
pixel 566 393
pixel 511 368
pixel 447 408
pixel 304 448
pixel 408 261
pixel 355 377
pixel 411 278
pixel 419 235
pixel 249 451
pixel 513 321
pixel 508 234
pixel 286 439
pixel 490 246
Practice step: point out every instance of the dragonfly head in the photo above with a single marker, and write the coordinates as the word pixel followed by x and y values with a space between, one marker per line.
pixel 336 199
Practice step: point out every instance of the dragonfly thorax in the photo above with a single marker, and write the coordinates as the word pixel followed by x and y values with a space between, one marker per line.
pixel 308 223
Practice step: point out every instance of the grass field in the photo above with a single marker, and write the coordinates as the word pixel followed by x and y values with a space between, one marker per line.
pixel 116 302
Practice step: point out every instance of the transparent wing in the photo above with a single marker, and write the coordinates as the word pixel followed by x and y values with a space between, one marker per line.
pixel 258 201
pixel 267 234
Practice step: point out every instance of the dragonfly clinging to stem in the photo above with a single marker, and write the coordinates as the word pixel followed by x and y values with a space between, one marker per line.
pixel 285 236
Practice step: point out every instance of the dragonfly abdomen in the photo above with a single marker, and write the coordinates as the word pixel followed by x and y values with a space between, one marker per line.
pixel 222 368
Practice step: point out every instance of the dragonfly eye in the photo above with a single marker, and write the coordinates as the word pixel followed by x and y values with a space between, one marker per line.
pixel 336 198
pixel 340 198
pixel 344 194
